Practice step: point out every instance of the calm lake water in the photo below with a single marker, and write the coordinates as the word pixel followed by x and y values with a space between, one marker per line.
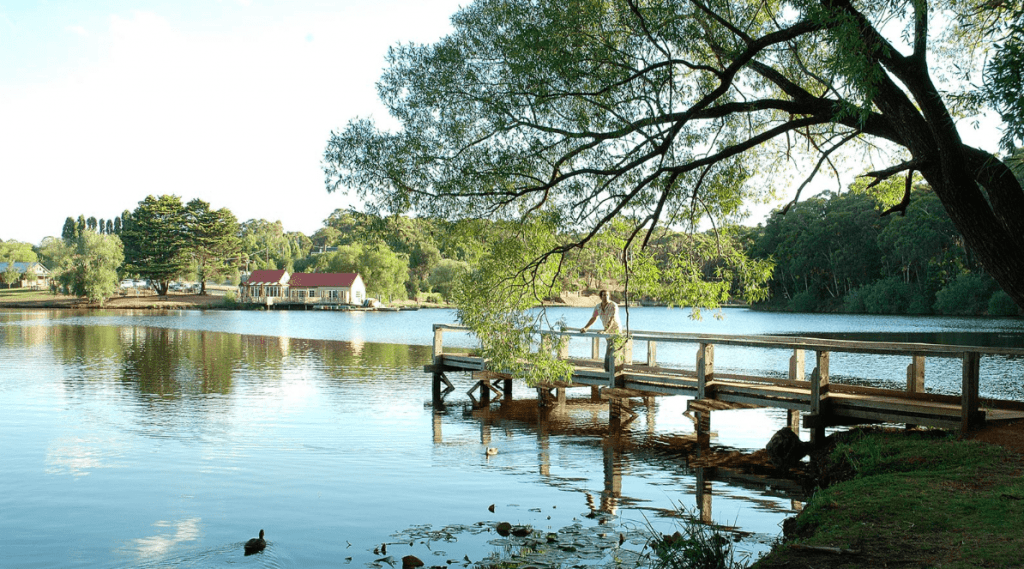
pixel 166 439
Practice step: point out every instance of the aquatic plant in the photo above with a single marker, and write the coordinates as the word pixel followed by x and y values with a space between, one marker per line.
pixel 696 545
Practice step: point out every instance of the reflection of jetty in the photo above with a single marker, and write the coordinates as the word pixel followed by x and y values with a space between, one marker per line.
pixel 581 420
pixel 823 402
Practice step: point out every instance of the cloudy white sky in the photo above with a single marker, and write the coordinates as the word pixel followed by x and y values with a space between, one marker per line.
pixel 103 102
pixel 232 101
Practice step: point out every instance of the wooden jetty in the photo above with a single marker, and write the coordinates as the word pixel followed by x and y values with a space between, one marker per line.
pixel 822 402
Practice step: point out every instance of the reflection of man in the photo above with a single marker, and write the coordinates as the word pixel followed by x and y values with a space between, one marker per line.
pixel 609 313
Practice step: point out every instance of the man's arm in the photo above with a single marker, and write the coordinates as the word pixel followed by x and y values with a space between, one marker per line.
pixel 589 323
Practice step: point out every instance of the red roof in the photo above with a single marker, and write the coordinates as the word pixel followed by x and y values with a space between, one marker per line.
pixel 266 277
pixel 323 279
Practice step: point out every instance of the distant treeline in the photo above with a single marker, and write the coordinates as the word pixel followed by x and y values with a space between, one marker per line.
pixel 836 253
pixel 831 253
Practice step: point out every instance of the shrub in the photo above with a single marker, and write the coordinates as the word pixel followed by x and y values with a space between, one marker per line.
pixel 968 294
pixel 853 302
pixel 696 546
pixel 1000 304
pixel 888 296
pixel 806 301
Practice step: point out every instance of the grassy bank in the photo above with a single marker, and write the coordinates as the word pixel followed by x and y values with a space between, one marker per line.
pixel 911 500
pixel 39 299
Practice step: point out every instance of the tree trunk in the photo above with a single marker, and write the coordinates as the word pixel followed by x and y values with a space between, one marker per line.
pixel 991 227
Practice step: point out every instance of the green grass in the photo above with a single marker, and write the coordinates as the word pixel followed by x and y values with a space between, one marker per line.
pixel 23 294
pixel 918 501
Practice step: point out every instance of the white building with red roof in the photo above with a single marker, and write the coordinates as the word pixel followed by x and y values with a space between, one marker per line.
pixel 277 287
pixel 327 288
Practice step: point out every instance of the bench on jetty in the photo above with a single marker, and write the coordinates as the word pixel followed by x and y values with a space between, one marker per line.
pixel 823 402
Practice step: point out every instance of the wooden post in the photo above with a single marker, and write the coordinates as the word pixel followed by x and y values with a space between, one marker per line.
pixel 819 391
pixel 652 353
pixel 915 378
pixel 915 375
pixel 507 389
pixel 793 420
pixel 819 382
pixel 435 390
pixel 702 428
pixel 595 348
pixel 796 373
pixel 969 415
pixel 627 352
pixel 705 368
pixel 609 363
pixel 563 347
pixel 796 365
pixel 485 392
pixel 438 344
pixel 704 495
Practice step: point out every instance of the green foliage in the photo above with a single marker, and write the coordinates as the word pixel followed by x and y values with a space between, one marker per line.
pixel 156 241
pixel 1004 70
pixel 70 230
pixel 658 114
pixel 891 295
pixel 806 301
pixel 696 546
pixel 1000 304
pixel 17 252
pixel 266 245
pixel 384 272
pixel 212 241
pixel 494 300
pixel 95 263
pixel 446 275
pixel 968 294
pixel 11 274
pixel 88 266
pixel 834 252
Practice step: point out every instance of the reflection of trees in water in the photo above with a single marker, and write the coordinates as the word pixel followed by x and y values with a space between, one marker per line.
pixel 358 360
pixel 171 363
pixel 87 347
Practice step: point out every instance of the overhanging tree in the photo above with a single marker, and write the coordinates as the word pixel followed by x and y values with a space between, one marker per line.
pixel 665 112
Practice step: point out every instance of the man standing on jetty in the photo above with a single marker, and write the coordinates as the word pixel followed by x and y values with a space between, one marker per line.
pixel 609 313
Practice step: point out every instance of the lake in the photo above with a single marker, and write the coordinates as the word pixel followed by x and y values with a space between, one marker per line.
pixel 166 439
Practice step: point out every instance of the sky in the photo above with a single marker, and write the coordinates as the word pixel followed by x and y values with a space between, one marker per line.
pixel 104 102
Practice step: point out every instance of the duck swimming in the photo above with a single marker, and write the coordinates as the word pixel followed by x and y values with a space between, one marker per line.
pixel 255 545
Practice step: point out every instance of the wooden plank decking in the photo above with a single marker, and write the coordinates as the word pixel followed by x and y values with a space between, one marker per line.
pixel 824 403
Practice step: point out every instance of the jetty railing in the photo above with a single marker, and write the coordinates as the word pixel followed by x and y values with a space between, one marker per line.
pixel 825 403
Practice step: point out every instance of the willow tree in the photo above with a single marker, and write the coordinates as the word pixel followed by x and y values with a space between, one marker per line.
pixel 678 112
